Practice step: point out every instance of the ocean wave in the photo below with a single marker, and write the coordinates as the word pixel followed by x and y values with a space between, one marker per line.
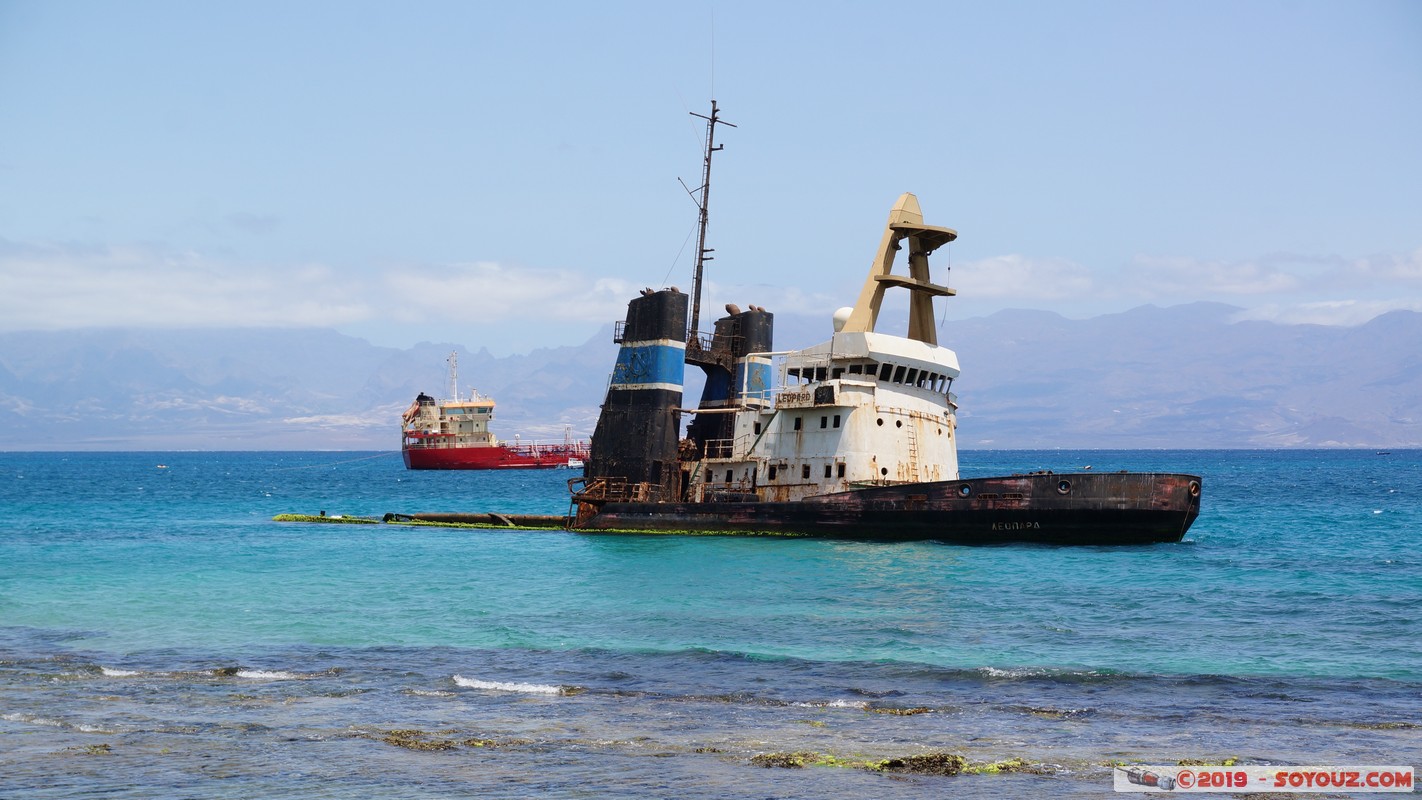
pixel 31 719
pixel 268 675
pixel 857 704
pixel 1031 672
pixel 503 686
pixel 50 722
pixel 247 673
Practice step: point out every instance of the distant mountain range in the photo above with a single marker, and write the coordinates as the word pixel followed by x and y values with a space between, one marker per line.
pixel 1181 377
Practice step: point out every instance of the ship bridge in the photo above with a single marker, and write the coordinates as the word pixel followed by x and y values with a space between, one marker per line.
pixel 872 355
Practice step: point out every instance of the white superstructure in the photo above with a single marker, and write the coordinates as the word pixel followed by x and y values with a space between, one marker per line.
pixel 862 409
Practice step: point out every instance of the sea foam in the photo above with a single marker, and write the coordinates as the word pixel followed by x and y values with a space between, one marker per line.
pixel 501 686
pixel 267 675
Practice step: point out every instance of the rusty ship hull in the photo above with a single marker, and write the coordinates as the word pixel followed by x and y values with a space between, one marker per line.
pixel 854 437
pixel 1058 509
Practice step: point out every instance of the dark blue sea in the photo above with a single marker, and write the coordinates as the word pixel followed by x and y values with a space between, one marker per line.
pixel 162 637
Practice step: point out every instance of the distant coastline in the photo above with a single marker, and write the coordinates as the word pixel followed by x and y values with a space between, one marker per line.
pixel 1183 377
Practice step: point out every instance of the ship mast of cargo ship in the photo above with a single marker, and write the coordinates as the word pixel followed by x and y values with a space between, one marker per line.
pixel 701 249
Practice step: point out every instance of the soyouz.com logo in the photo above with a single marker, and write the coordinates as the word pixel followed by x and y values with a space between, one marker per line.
pixel 1262 779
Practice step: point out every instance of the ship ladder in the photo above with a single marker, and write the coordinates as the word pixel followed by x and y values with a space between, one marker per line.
pixel 913 449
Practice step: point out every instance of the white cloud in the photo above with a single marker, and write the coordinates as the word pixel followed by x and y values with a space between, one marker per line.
pixel 1286 287
pixel 1333 312
pixel 371 419
pixel 54 288
pixel 51 287
pixel 1154 277
pixel 1405 267
pixel 782 299
pixel 1019 278
pixel 486 292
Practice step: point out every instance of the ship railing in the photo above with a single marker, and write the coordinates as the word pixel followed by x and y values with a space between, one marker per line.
pixel 729 496
pixel 614 490
pixel 707 349
pixel 759 397
pixel 605 489
pixel 700 340
pixel 720 448
pixel 418 440
pixel 577 449
pixel 730 449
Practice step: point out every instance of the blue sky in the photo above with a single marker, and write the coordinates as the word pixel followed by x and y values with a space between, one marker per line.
pixel 505 175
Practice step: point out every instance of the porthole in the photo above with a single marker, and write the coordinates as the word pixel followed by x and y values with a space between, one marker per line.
pixel 898 423
pixel 883 470
pixel 1194 488
pixel 965 490
pixel 881 423
pixel 1064 487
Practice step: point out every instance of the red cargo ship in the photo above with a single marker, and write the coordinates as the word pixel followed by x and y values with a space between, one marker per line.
pixel 454 434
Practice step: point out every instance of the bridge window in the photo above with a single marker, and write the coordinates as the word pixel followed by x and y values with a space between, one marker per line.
pixel 886 371
pixel 797 423
pixel 824 422
pixel 805 471
pixel 730 473
pixel 836 420
pixel 899 374
pixel 856 369
pixel 771 475
pixel 912 378
pixel 838 371
pixel 827 470
pixel 839 468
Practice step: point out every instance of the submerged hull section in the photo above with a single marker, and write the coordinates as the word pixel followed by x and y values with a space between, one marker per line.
pixel 1076 509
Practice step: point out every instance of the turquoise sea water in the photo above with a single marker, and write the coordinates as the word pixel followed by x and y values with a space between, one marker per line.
pixel 160 636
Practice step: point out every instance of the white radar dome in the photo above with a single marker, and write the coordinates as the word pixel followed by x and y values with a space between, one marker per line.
pixel 841 316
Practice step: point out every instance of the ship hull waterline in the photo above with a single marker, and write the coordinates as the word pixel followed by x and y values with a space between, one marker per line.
pixel 1060 509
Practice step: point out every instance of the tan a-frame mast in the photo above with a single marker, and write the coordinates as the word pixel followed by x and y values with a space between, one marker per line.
pixel 905 222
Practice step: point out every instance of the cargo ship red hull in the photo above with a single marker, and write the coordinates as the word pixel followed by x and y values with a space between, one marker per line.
pixel 430 453
pixel 454 434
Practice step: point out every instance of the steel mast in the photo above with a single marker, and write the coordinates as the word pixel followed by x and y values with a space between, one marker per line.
pixel 701 249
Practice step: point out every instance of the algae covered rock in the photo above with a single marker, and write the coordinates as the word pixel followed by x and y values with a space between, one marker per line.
pixel 783 760
pixel 926 764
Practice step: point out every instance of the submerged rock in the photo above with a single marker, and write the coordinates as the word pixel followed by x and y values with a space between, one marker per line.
pixel 926 764
pixel 784 760
pixel 412 739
